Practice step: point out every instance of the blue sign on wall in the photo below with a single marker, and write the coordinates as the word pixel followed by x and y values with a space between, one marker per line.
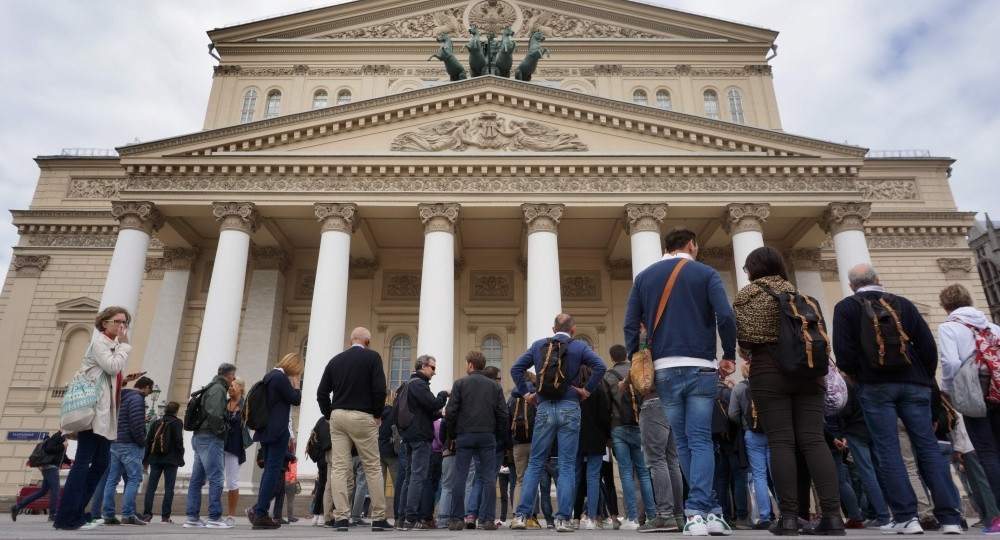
pixel 26 435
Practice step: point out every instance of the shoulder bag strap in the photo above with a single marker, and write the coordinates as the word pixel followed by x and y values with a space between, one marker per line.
pixel 666 296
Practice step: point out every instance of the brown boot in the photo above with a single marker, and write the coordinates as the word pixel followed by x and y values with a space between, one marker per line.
pixel 264 522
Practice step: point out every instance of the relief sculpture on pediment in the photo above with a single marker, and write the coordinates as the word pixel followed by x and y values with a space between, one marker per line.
pixel 490 132
pixel 566 26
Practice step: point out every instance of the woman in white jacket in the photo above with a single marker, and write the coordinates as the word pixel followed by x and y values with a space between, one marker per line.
pixel 958 342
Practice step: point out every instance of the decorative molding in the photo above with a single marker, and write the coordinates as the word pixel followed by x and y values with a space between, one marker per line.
pixel 180 258
pixel 644 217
pixel 542 217
pixel 580 285
pixel 363 268
pixel 439 217
pixel 568 26
pixel 154 267
pixel 619 269
pixel 489 132
pixel 741 217
pixel 413 26
pixel 888 189
pixel 401 285
pixel 29 265
pixel 680 70
pixel 915 242
pixel 491 286
pixel 237 216
pixel 81 241
pixel 493 16
pixel 845 216
pixel 957 268
pixel 139 215
pixel 717 254
pixel 270 258
pixel 305 284
pixel 337 217
pixel 828 270
pixel 805 258
pixel 94 188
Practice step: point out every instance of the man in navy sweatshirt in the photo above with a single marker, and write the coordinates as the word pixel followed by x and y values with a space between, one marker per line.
pixel 683 347
pixel 555 419
pixel 127 452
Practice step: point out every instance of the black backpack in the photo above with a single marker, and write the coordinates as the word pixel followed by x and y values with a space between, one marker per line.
pixel 627 403
pixel 39 457
pixel 750 412
pixel 401 412
pixel 522 423
pixel 319 443
pixel 194 415
pixel 883 342
pixel 722 427
pixel 553 377
pixel 257 414
pixel 162 438
pixel 803 348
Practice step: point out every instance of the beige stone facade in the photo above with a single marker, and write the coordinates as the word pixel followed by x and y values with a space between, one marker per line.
pixel 576 135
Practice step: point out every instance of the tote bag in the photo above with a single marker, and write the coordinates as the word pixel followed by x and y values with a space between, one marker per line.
pixel 79 405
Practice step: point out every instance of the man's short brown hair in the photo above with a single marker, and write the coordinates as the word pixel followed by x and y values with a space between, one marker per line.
pixel 477 359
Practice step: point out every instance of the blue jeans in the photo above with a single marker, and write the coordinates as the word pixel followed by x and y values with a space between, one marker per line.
pixel 50 485
pixel 626 441
pixel 447 487
pixel 274 460
pixel 730 483
pixel 431 485
pixel 91 463
pixel 554 421
pixel 472 502
pixel 759 455
pixel 861 451
pixel 208 465
pixel 591 477
pixel 418 464
pixel 483 446
pixel 688 395
pixel 169 473
pixel 127 457
pixel 882 404
pixel 550 475
pixel 848 499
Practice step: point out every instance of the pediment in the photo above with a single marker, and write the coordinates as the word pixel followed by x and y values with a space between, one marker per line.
pixel 568 19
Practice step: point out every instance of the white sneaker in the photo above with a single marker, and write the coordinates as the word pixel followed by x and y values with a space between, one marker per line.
pixel 98 521
pixel 717 526
pixel 218 524
pixel 563 525
pixel 519 523
pixel 951 529
pixel 575 523
pixel 194 524
pixel 317 521
pixel 89 525
pixel 911 526
pixel 588 524
pixel 629 525
pixel 695 526
pixel 231 521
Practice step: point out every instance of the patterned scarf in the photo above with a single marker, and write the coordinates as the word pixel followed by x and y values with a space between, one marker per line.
pixel 987 358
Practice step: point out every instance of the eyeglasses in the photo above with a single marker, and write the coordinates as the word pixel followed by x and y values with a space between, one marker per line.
pixel 115 321
pixel 432 367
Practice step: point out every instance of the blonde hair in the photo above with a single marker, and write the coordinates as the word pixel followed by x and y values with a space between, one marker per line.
pixel 238 381
pixel 292 364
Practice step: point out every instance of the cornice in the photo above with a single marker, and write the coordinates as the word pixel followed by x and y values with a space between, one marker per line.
pixel 23 215
pixel 930 216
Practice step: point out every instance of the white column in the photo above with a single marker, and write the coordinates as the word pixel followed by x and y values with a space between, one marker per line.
pixel 138 220
pixel 642 222
pixel 745 223
pixel 845 222
pixel 160 359
pixel 436 326
pixel 328 317
pixel 544 287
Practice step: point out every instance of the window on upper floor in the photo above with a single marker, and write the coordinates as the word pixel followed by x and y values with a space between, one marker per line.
pixel 492 349
pixel 273 104
pixel 711 104
pixel 400 358
pixel 249 104
pixel 736 107
pixel 343 97
pixel 663 99
pixel 639 97
pixel 319 99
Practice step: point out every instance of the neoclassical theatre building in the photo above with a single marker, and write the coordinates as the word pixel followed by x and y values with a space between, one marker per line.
pixel 342 179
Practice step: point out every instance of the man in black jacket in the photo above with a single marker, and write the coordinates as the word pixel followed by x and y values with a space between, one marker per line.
pixel 423 409
pixel 476 414
pixel 163 461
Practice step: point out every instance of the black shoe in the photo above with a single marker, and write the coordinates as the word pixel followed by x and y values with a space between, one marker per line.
pixel 264 523
pixel 827 526
pixel 14 511
pixel 403 525
pixel 330 523
pixel 112 521
pixel 293 519
pixel 342 525
pixel 930 524
pixel 786 526
pixel 146 517
pixel 381 525
pixel 456 525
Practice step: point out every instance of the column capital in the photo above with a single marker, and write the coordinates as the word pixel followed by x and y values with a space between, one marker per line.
pixel 740 217
pixel 439 217
pixel 957 268
pixel 237 216
pixel 337 217
pixel 644 217
pixel 180 258
pixel 805 258
pixel 29 265
pixel 845 216
pixel 542 217
pixel 363 268
pixel 271 258
pixel 139 215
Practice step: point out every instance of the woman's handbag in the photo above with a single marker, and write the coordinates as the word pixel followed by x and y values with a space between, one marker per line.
pixel 79 405
pixel 642 373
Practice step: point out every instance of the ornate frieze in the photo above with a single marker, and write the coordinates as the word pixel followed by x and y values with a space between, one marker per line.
pixel 619 269
pixel 489 132
pixel 644 217
pixel 957 268
pixel 337 217
pixel 745 217
pixel 237 216
pixel 29 265
pixel 914 241
pixel 680 70
pixel 491 286
pixel 363 268
pixel 439 217
pixel 580 285
pixel 718 255
pixel 805 258
pixel 301 70
pixel 567 26
pixel 542 217
pixel 271 258
pixel 493 16
pixel 81 241
pixel 139 215
pixel 845 216
pixel 94 188
pixel 888 189
pixel 401 286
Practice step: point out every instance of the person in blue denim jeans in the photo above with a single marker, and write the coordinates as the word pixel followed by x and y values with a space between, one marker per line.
pixel 555 420
pixel 424 407
pixel 888 397
pixel 209 462
pixel 127 452
pixel 683 347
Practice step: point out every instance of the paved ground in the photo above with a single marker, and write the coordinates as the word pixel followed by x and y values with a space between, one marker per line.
pixel 35 527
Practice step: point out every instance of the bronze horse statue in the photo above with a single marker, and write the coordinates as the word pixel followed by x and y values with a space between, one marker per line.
pixel 477 60
pixel 530 62
pixel 505 56
pixel 446 54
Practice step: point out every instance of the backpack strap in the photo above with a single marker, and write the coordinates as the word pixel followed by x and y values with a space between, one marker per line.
pixel 663 299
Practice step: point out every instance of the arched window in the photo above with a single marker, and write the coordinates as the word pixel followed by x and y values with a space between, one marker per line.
pixel 493 351
pixel 343 97
pixel 711 104
pixel 319 99
pixel 663 99
pixel 249 104
pixel 400 359
pixel 639 97
pixel 273 104
pixel 736 107
pixel 586 340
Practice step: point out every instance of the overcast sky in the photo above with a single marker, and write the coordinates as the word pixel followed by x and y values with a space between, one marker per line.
pixel 886 75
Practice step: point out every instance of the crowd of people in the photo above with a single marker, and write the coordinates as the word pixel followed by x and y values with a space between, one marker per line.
pixel 699 452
